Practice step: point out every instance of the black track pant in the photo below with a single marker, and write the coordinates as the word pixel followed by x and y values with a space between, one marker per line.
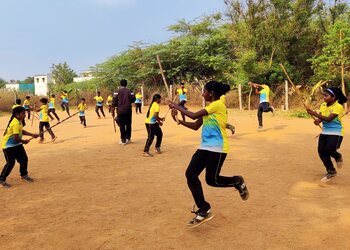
pixel 83 120
pixel 153 130
pixel 28 111
pixel 263 107
pixel 65 106
pixel 97 108
pixel 41 129
pixel 12 155
pixel 53 111
pixel 125 126
pixel 138 107
pixel 327 148
pixel 212 163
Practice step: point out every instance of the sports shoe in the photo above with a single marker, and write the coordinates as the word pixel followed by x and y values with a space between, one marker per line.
pixel 122 143
pixel 232 128
pixel 328 177
pixel 4 184
pixel 26 178
pixel 339 162
pixel 158 150
pixel 127 141
pixel 147 154
pixel 260 128
pixel 243 190
pixel 200 218
pixel 54 139
pixel 41 141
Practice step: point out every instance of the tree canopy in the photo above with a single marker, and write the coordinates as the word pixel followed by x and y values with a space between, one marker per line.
pixel 246 42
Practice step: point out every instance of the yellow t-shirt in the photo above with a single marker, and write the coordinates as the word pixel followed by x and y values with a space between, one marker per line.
pixel 155 108
pixel 26 104
pixel 223 99
pixel 15 128
pixel 214 137
pixel 334 127
pixel 99 101
pixel 182 94
pixel 109 100
pixel 138 98
pixel 82 108
pixel 264 94
pixel 52 103
pixel 15 105
pixel 64 98
pixel 43 113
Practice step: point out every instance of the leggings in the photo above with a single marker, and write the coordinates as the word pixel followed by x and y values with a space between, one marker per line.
pixel 327 148
pixel 138 107
pixel 11 155
pixel 65 106
pixel 83 120
pixel 212 163
pixel 153 130
pixel 100 108
pixel 48 129
pixel 263 107
pixel 28 111
pixel 53 111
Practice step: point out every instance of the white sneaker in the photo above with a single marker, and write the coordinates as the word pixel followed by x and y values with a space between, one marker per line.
pixel 328 177
pixel 127 141
pixel 122 143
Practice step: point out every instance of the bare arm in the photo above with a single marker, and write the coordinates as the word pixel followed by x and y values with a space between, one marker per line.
pixel 329 118
pixel 192 115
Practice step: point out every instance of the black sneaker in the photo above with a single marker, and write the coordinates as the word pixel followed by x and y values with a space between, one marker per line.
pixel 243 190
pixel 4 184
pixel 200 218
pixel 27 178
pixel 328 177
pixel 339 162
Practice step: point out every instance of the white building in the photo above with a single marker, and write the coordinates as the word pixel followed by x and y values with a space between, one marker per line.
pixel 41 84
pixel 84 76
pixel 13 85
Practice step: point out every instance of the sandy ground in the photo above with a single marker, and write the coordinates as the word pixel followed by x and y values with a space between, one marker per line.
pixel 91 193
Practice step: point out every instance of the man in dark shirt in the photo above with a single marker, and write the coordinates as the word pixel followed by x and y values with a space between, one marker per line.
pixel 122 100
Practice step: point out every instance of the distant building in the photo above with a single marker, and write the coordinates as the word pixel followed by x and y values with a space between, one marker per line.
pixel 12 85
pixel 41 84
pixel 84 76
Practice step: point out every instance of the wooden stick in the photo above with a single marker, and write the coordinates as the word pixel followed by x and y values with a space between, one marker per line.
pixel 297 91
pixel 163 76
pixel 55 125
pixel 34 111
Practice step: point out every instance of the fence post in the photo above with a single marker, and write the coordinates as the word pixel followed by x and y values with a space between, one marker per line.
pixel 286 106
pixel 143 97
pixel 240 96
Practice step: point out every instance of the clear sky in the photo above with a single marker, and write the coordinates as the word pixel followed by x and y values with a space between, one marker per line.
pixel 36 33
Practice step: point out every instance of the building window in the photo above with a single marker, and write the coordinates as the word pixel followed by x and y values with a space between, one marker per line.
pixel 37 80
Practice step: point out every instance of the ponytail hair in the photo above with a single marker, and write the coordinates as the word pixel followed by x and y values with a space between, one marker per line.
pixel 218 88
pixel 15 111
pixel 338 94
pixel 155 97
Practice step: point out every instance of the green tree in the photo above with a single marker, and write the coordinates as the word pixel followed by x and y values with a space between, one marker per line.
pixel 29 79
pixel 2 83
pixel 62 73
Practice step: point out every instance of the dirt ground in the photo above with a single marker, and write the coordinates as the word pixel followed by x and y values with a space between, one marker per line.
pixel 91 193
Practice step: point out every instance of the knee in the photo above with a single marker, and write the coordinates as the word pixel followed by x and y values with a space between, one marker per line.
pixel 191 177
pixel 210 180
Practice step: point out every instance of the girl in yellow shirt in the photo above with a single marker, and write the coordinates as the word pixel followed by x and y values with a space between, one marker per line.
pixel 12 146
pixel 44 121
pixel 212 152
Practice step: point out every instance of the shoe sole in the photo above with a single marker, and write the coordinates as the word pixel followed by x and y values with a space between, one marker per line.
pixel 201 222
pixel 325 179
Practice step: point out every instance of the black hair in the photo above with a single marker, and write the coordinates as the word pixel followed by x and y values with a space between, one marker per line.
pixel 52 95
pixel 43 100
pixel 338 94
pixel 218 88
pixel 98 92
pixel 155 97
pixel 18 101
pixel 65 91
pixel 16 111
pixel 83 99
pixel 123 82
pixel 27 97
